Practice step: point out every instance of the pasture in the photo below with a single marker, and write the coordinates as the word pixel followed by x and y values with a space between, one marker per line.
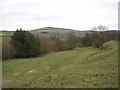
pixel 0 74
pixel 77 68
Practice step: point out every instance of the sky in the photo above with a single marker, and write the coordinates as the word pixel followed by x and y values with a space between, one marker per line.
pixel 70 14
pixel 119 15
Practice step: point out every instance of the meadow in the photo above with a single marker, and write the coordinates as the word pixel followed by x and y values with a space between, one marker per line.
pixel 0 48
pixel 83 67
pixel 0 74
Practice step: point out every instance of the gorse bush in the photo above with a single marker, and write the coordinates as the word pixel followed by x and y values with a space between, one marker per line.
pixel 25 44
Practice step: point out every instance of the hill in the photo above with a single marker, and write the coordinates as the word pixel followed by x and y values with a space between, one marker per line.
pixel 54 30
pixel 77 68
pixel 6 33
pixel 46 31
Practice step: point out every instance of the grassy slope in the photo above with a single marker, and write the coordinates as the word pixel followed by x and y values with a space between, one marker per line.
pixel 0 62
pixel 81 67
pixel 0 47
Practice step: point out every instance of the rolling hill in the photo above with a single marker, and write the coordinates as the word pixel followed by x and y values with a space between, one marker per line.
pixel 77 68
pixel 54 30
pixel 46 31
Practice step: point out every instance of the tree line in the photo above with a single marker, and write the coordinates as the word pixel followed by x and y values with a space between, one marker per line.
pixel 23 44
pixel 97 38
pixel 100 34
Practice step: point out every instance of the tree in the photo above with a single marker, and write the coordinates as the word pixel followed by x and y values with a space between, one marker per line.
pixel 86 40
pixel 99 28
pixel 95 40
pixel 26 44
pixel 71 40
pixel 58 43
pixel 101 36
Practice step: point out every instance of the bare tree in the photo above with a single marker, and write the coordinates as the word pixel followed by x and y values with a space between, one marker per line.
pixel 102 28
pixel 101 38
pixel 99 28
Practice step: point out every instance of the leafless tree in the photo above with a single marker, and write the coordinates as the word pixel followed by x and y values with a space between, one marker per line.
pixel 99 28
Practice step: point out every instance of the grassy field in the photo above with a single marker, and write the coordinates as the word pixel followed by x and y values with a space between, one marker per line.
pixel 77 68
pixel 0 62
pixel 0 48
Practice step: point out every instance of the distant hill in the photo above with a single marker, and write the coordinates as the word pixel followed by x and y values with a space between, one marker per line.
pixel 47 31
pixel 55 30
pixel 6 33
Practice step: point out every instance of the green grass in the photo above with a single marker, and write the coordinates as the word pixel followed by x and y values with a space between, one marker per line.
pixel 0 48
pixel 77 68
pixel 0 62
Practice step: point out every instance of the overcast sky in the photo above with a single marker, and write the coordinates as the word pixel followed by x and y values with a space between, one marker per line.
pixel 72 14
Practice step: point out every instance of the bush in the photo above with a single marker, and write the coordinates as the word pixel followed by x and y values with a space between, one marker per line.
pixel 26 44
pixel 8 50
pixel 47 45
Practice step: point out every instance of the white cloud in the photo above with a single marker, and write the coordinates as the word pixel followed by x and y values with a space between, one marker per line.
pixel 74 14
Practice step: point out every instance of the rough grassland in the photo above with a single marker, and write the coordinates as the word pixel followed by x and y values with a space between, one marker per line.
pixel 0 74
pixel 77 68
pixel 0 48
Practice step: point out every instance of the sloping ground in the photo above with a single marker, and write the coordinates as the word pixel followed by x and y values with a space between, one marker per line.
pixel 0 74
pixel 0 48
pixel 78 68
pixel 0 62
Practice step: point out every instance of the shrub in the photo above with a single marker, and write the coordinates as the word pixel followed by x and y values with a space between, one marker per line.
pixel 26 44
pixel 8 50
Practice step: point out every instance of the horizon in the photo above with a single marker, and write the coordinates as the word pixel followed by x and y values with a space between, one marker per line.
pixel 60 28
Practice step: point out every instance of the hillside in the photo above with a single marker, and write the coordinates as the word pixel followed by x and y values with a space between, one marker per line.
pixel 46 31
pixel 77 68
pixel 6 33
pixel 54 30
pixel 0 62
pixel 0 48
